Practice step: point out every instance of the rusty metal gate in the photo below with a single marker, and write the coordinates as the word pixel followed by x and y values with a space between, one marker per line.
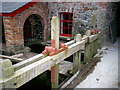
pixel 33 30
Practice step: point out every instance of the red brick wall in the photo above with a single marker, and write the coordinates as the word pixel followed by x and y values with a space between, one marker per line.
pixel 13 26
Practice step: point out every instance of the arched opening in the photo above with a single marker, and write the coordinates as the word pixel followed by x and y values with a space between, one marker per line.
pixel 33 30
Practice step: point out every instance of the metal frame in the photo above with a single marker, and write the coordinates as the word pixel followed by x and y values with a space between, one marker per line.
pixel 66 19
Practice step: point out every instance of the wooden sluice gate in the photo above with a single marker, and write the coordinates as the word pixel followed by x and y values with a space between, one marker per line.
pixel 14 76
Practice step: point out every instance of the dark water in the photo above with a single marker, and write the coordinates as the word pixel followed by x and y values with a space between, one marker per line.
pixel 37 48
pixel 40 82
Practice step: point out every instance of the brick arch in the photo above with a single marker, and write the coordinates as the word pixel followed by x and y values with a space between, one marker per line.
pixel 38 9
pixel 42 17
pixel 25 16
pixel 38 33
pixel 14 25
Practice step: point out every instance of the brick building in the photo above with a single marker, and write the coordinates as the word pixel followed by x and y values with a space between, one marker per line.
pixel 26 23
pixel 74 17
pixel 77 17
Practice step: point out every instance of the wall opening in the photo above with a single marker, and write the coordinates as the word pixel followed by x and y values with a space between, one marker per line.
pixel 66 20
pixel 3 33
pixel 33 30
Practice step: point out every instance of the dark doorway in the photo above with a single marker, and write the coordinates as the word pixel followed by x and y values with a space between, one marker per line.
pixel 33 30
pixel 2 31
pixel 114 24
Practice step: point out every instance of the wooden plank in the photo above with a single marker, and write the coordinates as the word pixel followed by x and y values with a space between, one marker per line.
pixel 85 38
pixel 95 47
pixel 70 42
pixel 17 55
pixel 76 61
pixel 29 72
pixel 92 44
pixel 12 58
pixel 55 29
pixel 6 68
pixel 88 33
pixel 94 20
pixel 34 59
pixel 93 37
pixel 100 39
pixel 28 61
pixel 91 47
pixel 55 76
pixel 77 55
pixel 87 52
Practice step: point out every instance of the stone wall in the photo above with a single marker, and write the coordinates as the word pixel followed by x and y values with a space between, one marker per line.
pixel 87 16
pixel 13 26
pixel 93 15
pixel 112 30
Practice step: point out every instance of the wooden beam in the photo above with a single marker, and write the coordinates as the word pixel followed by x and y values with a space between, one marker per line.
pixel 17 55
pixel 70 43
pixel 88 33
pixel 55 76
pixel 90 46
pixel 55 29
pixel 93 37
pixel 85 38
pixel 29 72
pixel 100 39
pixel 77 55
pixel 94 20
pixel 35 58
pixel 28 61
pixel 6 68
pixel 12 58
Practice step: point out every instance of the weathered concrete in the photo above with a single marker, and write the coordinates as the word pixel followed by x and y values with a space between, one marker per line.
pixel 105 74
